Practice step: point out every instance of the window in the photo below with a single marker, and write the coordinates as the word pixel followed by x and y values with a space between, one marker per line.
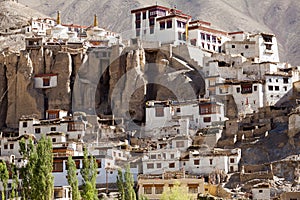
pixel 57 166
pixel 162 25
pixel 202 36
pixel 169 24
pixel 276 88
pixel 11 146
pixel 231 168
pixel 214 39
pixel 46 81
pixel 285 88
pixel 208 37
pixel 276 80
pixel 147 189
pixel 193 188
pixel 53 129
pixel 53 140
pixel 138 24
pixel 238 90
pixel 145 15
pixel 24 124
pixel 270 88
pixel 178 110
pixel 197 162
pixel 5 146
pixel 242 54
pixel 172 155
pixel 231 160
pixel 151 22
pixel 246 88
pixel 233 46
pixel 179 144
pixel 260 191
pixel 137 16
pixel 268 46
pixel 150 165
pixel 159 189
pixel 159 111
pixel 206 119
pixel 285 80
pixel 255 88
pixel 158 165
pixel 153 156
pixel 210 161
pixel 246 46
pixel 171 165
pixel 37 130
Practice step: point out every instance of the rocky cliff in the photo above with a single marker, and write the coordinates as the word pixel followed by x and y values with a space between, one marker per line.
pixel 102 81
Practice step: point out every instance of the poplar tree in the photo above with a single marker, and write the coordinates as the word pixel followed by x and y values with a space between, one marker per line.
pixel 89 175
pixel 3 177
pixel 15 182
pixel 72 178
pixel 28 153
pixel 36 173
pixel 126 185
pixel 42 181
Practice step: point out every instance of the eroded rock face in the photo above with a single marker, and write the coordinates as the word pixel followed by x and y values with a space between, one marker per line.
pixel 112 81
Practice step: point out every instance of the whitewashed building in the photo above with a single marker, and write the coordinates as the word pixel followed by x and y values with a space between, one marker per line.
pixel 201 34
pixel 206 162
pixel 159 23
pixel 261 47
pixel 158 161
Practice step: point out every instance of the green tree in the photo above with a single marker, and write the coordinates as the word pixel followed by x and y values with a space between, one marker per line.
pixel 126 185
pixel 72 178
pixel 29 155
pixel 37 178
pixel 3 177
pixel 15 181
pixel 120 184
pixel 176 193
pixel 89 175
pixel 42 182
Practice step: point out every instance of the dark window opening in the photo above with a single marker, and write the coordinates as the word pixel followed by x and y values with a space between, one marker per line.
pixel 37 130
pixel 206 119
pixel 137 16
pixel 53 129
pixel 285 80
pixel 24 124
pixel 171 165
pixel 162 25
pixel 46 81
pixel 246 88
pixel 270 88
pixel 255 88
pixel 268 46
pixel 138 24
pixel 144 15
pixel 169 24
pixel 276 88
pixel 151 22
pixel 238 90
pixel 233 46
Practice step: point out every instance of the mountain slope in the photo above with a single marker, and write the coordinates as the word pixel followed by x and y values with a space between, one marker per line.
pixel 276 16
